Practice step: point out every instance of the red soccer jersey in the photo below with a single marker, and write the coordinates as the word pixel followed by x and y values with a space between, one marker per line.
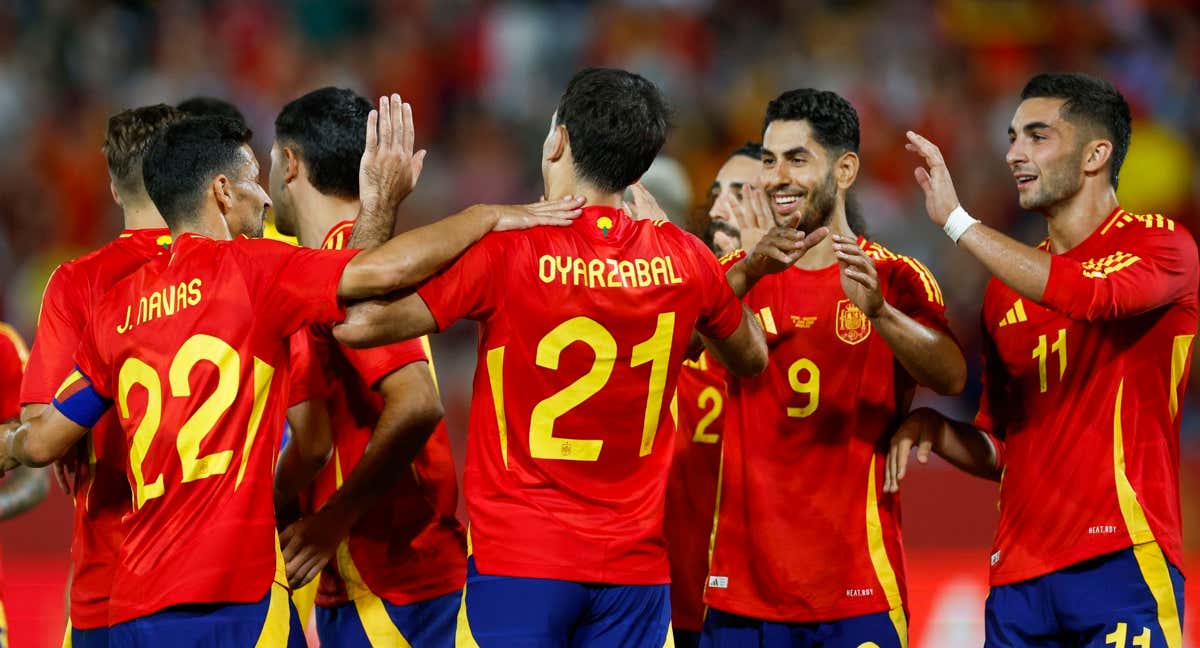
pixel 13 355
pixel 410 547
pixel 692 489
pixel 804 531
pixel 1085 389
pixel 100 492
pixel 583 334
pixel 193 350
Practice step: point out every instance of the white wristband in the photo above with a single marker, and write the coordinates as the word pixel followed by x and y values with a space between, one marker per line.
pixel 958 223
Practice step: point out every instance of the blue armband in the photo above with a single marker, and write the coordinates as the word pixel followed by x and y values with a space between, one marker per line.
pixel 78 400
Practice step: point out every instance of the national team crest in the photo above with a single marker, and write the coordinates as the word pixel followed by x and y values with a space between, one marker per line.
pixel 851 325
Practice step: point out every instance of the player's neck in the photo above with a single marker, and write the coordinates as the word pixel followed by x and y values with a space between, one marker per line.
pixel 822 254
pixel 1071 221
pixel 317 213
pixel 142 215
pixel 592 196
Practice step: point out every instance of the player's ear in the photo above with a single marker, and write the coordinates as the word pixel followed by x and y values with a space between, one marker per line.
pixel 112 188
pixel 222 191
pixel 291 167
pixel 845 170
pixel 556 144
pixel 1097 154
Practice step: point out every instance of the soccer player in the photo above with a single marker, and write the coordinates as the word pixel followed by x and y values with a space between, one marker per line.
pixel 96 470
pixel 583 332
pixel 728 220
pixel 26 488
pixel 400 551
pixel 807 546
pixel 192 347
pixel 1087 348
pixel 699 415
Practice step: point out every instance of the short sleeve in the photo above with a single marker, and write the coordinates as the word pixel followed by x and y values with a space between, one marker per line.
pixel 12 363
pixel 294 286
pixel 721 311
pixel 464 289
pixel 916 293
pixel 376 363
pixel 305 378
pixel 727 261
pixel 988 419
pixel 90 361
pixel 59 329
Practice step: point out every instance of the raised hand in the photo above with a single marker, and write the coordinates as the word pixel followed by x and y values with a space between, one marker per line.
pixel 753 214
pixel 860 281
pixel 934 178
pixel 553 213
pixel 388 171
pixel 644 206
pixel 781 247
pixel 919 429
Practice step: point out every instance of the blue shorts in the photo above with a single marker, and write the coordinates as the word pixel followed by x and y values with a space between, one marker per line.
pixel 687 638
pixel 270 623
pixel 370 621
pixel 508 612
pixel 1131 598
pixel 94 638
pixel 878 630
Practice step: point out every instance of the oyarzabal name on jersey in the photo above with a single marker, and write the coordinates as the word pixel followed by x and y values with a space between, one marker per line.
pixel 162 303
pixel 608 273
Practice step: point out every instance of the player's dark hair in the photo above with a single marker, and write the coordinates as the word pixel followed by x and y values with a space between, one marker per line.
pixel 617 122
pixel 749 149
pixel 211 107
pixel 184 160
pixel 129 135
pixel 833 120
pixel 1092 103
pixel 327 128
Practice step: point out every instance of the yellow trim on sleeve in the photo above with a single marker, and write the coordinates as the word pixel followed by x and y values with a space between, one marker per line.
pixel 1180 357
pixel 495 369
pixel 880 561
pixel 278 625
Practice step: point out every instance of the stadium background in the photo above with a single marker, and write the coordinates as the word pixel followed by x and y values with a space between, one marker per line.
pixel 483 79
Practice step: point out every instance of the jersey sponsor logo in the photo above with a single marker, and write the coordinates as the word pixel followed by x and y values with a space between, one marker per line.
pixel 852 325
pixel 860 592
pixel 605 224
pixel 804 322
pixel 1015 314
pixel 608 273
pixel 995 558
pixel 162 303
pixel 767 321
pixel 1102 529
pixel 718 582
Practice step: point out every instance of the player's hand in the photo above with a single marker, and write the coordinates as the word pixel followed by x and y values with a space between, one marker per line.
pixel 860 281
pixel 68 469
pixel 7 462
pixel 644 206
pixel 554 213
pixel 389 169
pixel 308 545
pixel 919 429
pixel 753 214
pixel 782 246
pixel 935 181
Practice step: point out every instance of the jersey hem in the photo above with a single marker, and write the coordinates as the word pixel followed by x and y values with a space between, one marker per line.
pixel 808 616
pixel 1000 578
pixel 572 574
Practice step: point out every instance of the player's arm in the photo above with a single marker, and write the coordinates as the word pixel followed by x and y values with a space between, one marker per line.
pixel 1161 274
pixel 23 489
pixel 962 445
pixel 745 351
pixel 375 322
pixel 40 440
pixel 411 412
pixel 303 457
pixel 932 357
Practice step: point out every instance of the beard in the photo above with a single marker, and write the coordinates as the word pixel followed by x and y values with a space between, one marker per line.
pixel 1058 182
pixel 818 208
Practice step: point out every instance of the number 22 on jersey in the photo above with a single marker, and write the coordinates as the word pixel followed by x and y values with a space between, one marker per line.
pixel 200 422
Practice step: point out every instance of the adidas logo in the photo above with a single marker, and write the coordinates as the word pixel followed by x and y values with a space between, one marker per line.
pixel 1015 314
pixel 767 321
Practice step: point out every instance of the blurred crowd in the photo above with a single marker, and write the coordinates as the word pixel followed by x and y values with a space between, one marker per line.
pixel 484 77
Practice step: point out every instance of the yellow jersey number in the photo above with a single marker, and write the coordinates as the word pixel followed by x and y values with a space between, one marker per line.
pixel 656 350
pixel 810 386
pixel 199 348
pixel 1040 354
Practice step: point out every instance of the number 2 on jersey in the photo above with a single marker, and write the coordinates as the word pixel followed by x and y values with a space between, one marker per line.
pixel 656 351
pixel 198 348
